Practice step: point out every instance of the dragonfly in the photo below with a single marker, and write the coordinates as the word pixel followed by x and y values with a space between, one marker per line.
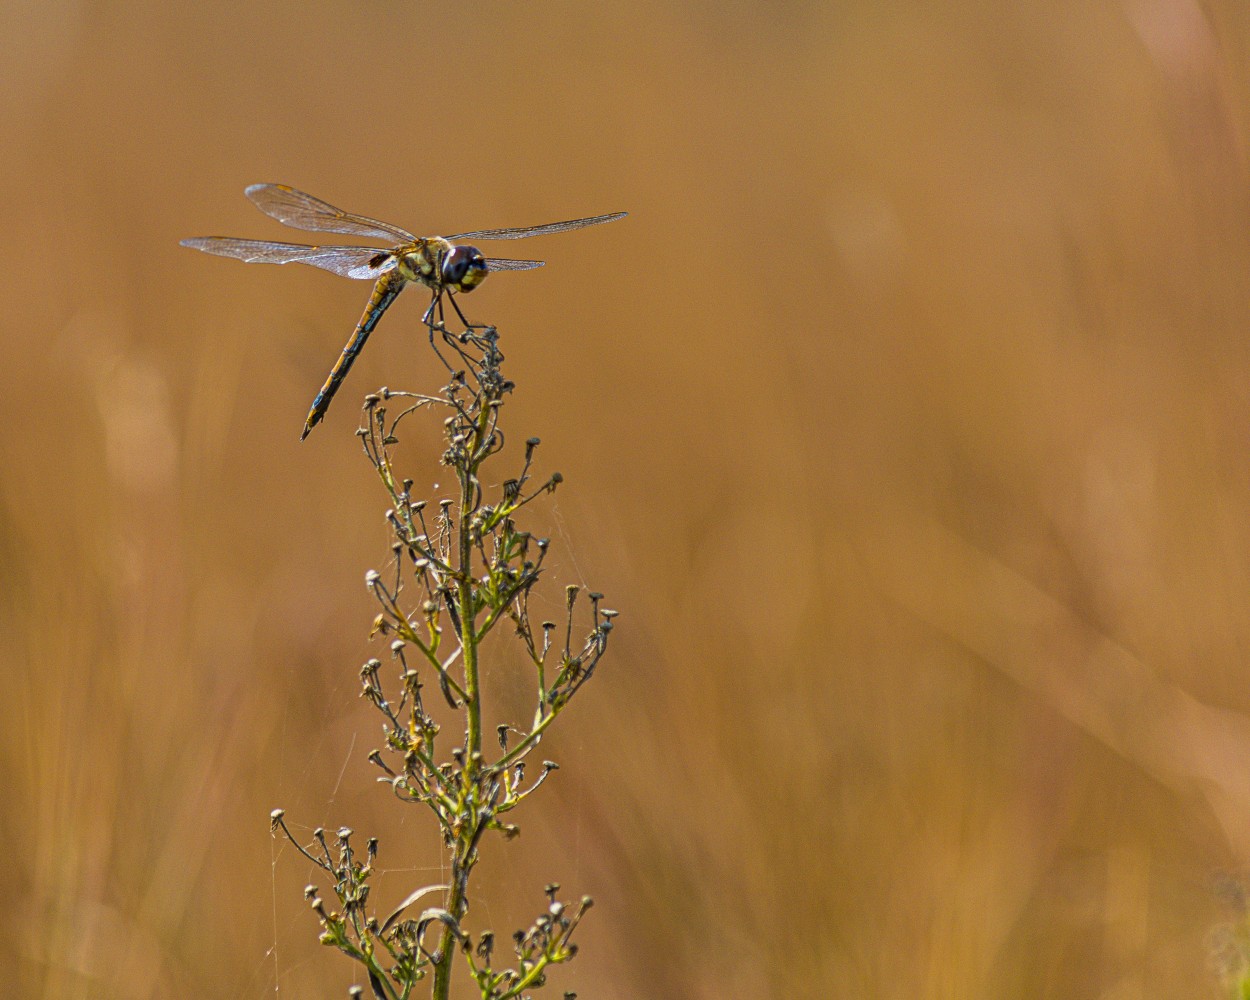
pixel 443 264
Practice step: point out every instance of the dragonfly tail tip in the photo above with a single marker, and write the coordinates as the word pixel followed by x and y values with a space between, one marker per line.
pixel 314 418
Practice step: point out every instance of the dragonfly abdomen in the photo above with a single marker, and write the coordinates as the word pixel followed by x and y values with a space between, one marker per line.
pixel 384 291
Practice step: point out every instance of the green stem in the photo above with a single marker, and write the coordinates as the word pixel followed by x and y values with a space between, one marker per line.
pixel 463 850
pixel 461 865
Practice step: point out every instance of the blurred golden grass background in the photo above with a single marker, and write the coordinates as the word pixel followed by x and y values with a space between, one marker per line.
pixel 905 420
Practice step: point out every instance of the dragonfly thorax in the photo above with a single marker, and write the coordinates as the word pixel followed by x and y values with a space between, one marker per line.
pixel 438 264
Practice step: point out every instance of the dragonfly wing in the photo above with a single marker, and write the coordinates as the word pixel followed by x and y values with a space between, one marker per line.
pixel 350 262
pixel 550 227
pixel 303 211
pixel 503 264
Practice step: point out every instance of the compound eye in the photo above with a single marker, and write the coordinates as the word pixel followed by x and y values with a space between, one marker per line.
pixel 464 267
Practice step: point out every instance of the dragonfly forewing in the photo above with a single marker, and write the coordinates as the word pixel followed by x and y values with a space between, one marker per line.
pixel 302 211
pixel 550 227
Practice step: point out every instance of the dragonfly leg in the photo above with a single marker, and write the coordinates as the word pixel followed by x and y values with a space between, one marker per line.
pixel 433 325
pixel 455 341
pixel 456 306
pixel 467 325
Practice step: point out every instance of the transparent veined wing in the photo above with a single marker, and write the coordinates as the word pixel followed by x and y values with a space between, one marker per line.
pixel 303 211
pixel 503 264
pixel 350 262
pixel 550 227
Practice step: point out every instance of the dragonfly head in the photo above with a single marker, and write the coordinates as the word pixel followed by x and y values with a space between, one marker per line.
pixel 463 268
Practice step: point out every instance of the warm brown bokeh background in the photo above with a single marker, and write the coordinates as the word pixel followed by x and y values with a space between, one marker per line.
pixel 906 420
